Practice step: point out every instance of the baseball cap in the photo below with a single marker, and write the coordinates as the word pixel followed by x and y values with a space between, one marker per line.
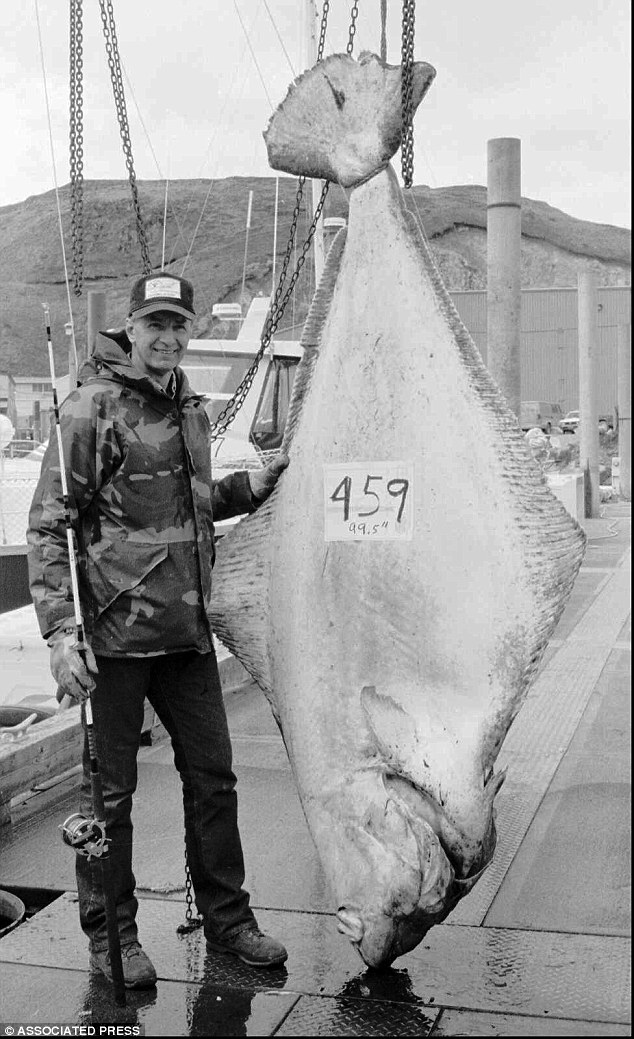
pixel 162 292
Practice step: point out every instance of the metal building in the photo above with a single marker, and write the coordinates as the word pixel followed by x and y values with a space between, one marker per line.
pixel 549 341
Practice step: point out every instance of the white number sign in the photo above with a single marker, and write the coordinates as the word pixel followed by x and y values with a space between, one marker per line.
pixel 368 501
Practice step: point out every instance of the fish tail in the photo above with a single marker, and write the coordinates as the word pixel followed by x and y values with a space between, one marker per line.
pixel 342 121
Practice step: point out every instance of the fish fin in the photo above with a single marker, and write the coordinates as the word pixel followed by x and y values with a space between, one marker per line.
pixel 341 120
pixel 239 612
pixel 312 336
pixel 553 541
pixel 391 726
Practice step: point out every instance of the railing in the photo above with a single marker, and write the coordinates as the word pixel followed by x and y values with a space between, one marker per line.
pixel 18 487
pixel 20 448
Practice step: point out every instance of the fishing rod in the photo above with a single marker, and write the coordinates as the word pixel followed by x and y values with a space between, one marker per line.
pixel 87 837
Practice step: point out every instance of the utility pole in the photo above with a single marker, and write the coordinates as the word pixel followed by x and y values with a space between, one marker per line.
pixel 624 390
pixel 504 245
pixel 588 408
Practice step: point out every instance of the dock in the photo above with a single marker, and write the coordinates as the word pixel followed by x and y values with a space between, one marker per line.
pixel 540 947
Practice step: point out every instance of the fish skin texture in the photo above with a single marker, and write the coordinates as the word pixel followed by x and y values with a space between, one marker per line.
pixel 395 668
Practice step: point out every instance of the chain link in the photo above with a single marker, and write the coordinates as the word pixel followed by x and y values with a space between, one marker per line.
pixel 407 86
pixel 282 295
pixel 353 27
pixel 383 30
pixel 322 30
pixel 114 63
pixel 191 923
pixel 76 120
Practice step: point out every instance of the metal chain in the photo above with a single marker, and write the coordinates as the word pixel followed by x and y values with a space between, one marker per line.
pixel 322 30
pixel 282 292
pixel 114 62
pixel 191 923
pixel 353 27
pixel 407 86
pixel 76 120
pixel 383 30
pixel 274 316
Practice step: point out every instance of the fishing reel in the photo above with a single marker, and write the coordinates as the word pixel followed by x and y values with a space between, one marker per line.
pixel 85 836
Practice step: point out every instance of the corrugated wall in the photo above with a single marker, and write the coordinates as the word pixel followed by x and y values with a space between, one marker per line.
pixel 549 341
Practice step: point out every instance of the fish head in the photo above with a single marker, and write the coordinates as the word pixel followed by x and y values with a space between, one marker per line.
pixel 380 938
pixel 392 876
pixel 342 120
pixel 415 830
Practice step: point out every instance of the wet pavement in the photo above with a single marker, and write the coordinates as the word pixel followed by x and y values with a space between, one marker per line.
pixel 540 947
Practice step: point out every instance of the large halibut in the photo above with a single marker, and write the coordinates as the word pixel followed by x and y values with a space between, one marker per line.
pixel 394 665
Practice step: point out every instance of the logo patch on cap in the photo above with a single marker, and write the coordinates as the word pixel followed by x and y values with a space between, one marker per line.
pixel 162 288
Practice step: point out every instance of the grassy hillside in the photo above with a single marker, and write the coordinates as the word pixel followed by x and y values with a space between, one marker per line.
pixel 205 238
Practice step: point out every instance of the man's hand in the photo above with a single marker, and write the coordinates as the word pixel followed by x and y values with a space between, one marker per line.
pixel 72 666
pixel 263 481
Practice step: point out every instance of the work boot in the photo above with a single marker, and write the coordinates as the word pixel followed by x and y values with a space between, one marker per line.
pixel 252 947
pixel 138 969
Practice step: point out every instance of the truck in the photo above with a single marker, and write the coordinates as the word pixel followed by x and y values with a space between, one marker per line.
pixel 541 414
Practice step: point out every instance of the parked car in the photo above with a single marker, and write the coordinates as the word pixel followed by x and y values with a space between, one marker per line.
pixel 541 414
pixel 570 422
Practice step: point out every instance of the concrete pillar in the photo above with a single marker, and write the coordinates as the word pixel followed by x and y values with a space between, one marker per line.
pixel 587 313
pixel 504 291
pixel 624 391
pixel 96 318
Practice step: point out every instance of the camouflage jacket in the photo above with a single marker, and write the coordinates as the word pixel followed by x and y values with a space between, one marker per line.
pixel 142 500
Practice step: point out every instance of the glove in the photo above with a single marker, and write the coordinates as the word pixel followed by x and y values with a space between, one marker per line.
pixel 72 664
pixel 263 481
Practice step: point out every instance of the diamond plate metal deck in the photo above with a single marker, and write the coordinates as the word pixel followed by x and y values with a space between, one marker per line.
pixel 40 996
pixel 465 1022
pixel 494 970
pixel 326 1016
pixel 543 729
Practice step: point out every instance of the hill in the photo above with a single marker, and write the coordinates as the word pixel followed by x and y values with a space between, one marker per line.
pixel 205 237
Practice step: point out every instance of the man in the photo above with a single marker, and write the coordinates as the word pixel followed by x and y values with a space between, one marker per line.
pixel 137 454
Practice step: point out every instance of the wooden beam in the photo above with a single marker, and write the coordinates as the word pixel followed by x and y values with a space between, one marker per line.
pixel 49 748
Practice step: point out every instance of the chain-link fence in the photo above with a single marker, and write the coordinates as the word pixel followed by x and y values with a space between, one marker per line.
pixel 16 494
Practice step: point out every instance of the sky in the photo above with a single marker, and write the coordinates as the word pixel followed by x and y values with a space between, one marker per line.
pixel 202 78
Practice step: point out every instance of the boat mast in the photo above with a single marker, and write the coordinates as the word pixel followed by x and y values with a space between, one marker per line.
pixel 243 306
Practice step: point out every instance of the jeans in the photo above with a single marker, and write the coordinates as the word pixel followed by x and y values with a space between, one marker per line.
pixel 184 690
